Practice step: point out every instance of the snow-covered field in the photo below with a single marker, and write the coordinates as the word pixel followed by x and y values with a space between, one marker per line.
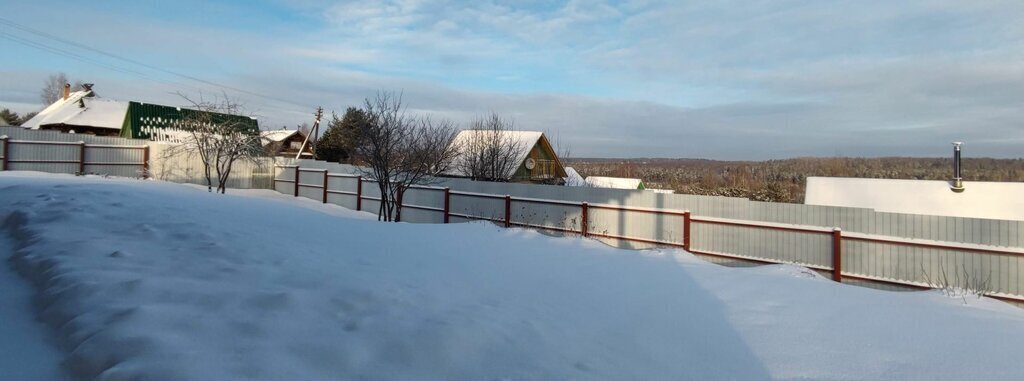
pixel 151 280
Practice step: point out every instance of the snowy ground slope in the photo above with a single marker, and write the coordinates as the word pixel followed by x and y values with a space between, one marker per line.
pixel 150 279
pixel 26 348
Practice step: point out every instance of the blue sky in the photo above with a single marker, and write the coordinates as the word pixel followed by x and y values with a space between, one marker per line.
pixel 722 80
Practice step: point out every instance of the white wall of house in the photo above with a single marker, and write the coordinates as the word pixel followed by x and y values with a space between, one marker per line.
pixel 994 200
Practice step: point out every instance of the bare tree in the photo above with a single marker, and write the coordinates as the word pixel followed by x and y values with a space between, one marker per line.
pixel 53 88
pixel 491 152
pixel 216 132
pixel 400 151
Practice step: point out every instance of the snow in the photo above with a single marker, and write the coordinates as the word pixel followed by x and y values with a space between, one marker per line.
pixel 524 141
pixel 27 351
pixel 613 182
pixel 151 280
pixel 573 178
pixel 980 199
pixel 98 112
pixel 277 135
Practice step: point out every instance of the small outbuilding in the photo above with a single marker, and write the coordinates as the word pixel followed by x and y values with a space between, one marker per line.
pixel 286 143
pixel 615 182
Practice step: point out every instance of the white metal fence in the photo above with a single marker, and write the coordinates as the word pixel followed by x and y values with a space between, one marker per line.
pixel 52 151
pixel 902 250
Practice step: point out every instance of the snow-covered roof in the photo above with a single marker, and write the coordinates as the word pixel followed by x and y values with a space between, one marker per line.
pixel 573 178
pixel 524 142
pixel 278 135
pixel 980 199
pixel 98 112
pixel 613 182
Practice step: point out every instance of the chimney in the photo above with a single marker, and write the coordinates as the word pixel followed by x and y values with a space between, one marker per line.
pixel 67 91
pixel 958 180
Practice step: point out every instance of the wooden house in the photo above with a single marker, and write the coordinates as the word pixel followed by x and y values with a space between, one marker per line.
pixel 286 143
pixel 536 161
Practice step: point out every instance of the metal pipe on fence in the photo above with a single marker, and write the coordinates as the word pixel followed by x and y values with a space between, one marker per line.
pixel 6 142
pixel 584 228
pixel 686 230
pixel 296 190
pixel 508 211
pixel 359 193
pixel 447 203
pixel 81 158
pixel 325 186
pixel 837 255
pixel 145 162
pixel 398 203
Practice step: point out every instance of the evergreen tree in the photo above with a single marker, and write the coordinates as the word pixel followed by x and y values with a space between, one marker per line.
pixel 341 135
pixel 10 117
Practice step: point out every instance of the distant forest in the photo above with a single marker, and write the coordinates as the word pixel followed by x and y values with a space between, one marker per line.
pixel 785 180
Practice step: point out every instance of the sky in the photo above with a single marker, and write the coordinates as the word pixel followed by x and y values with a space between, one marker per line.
pixel 732 80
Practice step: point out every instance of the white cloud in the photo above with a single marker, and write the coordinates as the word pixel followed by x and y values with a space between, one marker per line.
pixel 730 79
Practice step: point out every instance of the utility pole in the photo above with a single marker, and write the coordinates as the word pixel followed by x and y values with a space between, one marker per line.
pixel 314 133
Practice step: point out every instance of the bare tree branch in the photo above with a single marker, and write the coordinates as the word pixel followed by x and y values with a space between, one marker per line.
pixel 400 151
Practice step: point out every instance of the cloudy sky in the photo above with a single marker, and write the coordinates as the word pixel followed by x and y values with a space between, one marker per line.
pixel 720 80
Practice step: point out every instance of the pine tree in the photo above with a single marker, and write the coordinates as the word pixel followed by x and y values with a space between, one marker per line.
pixel 339 139
pixel 10 117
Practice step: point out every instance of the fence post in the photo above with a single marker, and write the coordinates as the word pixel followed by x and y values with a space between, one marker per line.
pixel 145 162
pixel 447 203
pixel 7 151
pixel 359 193
pixel 325 186
pixel 584 228
pixel 296 181
pixel 837 255
pixel 686 230
pixel 81 158
pixel 398 207
pixel 508 211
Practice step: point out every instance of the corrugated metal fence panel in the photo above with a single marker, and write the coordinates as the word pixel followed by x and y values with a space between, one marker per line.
pixel 124 161
pixel 311 184
pixel 43 157
pixel 999 273
pixel 169 162
pixel 423 198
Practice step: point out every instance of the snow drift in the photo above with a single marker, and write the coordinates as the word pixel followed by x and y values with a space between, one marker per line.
pixel 143 279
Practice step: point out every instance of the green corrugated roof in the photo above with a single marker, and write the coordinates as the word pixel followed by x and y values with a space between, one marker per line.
pixel 143 115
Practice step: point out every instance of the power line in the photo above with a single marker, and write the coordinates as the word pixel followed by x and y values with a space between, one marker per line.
pixel 136 62
pixel 72 55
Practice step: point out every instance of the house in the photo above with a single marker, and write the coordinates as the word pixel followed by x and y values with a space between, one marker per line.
pixel 4 122
pixel 615 182
pixel 286 143
pixel 83 112
pixel 533 157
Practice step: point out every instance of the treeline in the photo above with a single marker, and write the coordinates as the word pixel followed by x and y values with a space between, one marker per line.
pixel 785 180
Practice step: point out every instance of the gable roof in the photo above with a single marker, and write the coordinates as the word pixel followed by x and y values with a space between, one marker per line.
pixel 98 112
pixel 573 178
pixel 614 182
pixel 524 141
pixel 278 135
